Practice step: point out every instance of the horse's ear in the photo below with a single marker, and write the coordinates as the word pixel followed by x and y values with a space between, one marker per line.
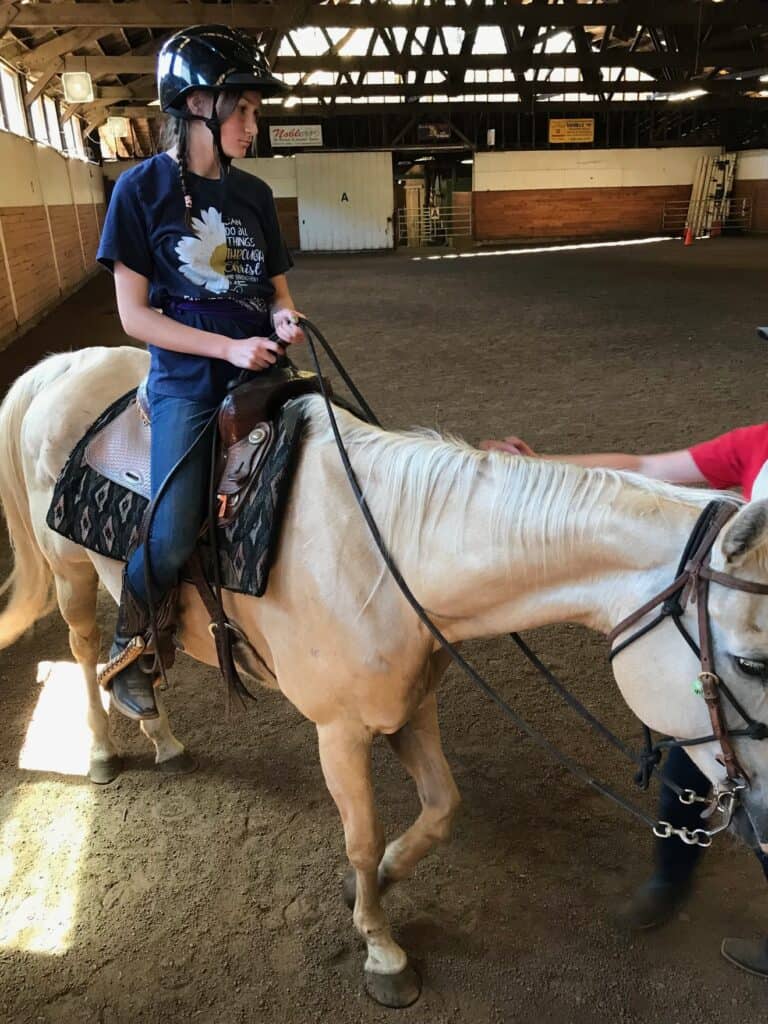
pixel 746 531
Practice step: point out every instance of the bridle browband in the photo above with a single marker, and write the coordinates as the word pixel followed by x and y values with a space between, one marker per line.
pixel 691 585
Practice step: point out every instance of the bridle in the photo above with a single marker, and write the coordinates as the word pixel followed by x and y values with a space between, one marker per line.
pixel 691 585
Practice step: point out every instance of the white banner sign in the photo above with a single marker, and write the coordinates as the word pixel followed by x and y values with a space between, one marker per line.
pixel 296 134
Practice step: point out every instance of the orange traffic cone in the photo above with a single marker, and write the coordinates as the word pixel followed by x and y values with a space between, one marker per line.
pixel 688 237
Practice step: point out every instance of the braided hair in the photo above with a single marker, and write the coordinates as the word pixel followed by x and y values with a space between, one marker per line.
pixel 181 155
pixel 175 133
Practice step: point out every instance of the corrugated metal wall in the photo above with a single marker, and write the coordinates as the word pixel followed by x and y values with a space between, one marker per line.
pixel 346 201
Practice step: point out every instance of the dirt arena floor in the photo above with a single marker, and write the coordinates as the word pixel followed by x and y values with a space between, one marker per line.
pixel 215 897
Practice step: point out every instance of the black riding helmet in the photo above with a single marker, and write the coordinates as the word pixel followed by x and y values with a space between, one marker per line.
pixel 212 58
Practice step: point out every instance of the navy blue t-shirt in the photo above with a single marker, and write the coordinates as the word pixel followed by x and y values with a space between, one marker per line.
pixel 227 255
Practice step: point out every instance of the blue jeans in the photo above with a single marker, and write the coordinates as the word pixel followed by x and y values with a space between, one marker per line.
pixel 675 861
pixel 176 423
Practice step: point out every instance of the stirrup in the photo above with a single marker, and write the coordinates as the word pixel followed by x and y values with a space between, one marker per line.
pixel 132 651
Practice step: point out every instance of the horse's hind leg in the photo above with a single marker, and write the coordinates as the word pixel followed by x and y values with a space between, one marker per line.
pixel 419 748
pixel 345 756
pixel 76 587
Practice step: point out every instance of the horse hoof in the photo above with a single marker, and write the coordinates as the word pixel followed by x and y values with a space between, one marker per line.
pixel 394 990
pixel 105 770
pixel 181 764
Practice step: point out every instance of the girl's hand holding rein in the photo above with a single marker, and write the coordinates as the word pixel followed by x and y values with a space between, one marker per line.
pixel 286 326
pixel 253 353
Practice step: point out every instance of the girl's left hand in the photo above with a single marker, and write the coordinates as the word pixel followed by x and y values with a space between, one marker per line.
pixel 286 326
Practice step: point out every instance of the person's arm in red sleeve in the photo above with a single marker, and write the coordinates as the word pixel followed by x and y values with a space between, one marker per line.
pixel 723 460
pixel 673 467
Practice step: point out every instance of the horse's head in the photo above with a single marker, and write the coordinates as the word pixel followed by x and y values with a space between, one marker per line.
pixel 739 624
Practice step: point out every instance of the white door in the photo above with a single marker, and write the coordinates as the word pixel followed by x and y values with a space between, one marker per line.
pixel 346 201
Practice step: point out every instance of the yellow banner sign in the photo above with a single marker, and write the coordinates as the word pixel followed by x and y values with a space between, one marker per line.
pixel 571 129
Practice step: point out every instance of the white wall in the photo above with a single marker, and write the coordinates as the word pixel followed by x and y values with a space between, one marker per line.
pixel 87 182
pixel 33 173
pixel 19 183
pixel 278 172
pixel 752 165
pixel 53 174
pixel 586 168
pixel 346 201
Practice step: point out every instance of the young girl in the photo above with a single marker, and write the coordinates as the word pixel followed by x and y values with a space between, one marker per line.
pixel 199 266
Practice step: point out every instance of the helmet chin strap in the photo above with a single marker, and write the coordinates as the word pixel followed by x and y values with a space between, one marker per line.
pixel 214 127
pixel 213 124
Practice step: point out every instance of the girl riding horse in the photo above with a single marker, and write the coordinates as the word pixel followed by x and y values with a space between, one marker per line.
pixel 199 265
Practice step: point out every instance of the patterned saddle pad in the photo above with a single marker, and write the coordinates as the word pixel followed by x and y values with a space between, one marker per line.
pixel 104 515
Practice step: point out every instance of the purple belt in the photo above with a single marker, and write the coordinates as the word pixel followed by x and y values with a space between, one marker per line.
pixel 212 307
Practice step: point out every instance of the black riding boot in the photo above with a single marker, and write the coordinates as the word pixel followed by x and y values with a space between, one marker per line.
pixel 134 665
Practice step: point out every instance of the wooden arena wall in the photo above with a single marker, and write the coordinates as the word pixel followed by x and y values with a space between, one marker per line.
pixel 590 193
pixel 51 212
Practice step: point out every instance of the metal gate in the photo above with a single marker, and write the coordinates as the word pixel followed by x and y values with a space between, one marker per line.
pixel 707 216
pixel 433 225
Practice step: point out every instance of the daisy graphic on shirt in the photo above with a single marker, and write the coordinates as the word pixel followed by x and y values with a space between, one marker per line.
pixel 203 257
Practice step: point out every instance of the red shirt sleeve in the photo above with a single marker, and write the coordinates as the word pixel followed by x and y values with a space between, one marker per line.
pixel 733 459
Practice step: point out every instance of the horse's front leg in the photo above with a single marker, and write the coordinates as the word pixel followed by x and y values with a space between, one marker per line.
pixel 345 756
pixel 420 750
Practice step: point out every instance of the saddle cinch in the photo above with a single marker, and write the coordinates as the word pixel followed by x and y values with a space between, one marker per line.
pixel 246 425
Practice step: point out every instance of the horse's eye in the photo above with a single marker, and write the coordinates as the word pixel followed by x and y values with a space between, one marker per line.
pixel 752 666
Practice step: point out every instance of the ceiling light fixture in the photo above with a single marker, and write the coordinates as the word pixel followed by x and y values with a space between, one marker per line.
pixel 78 87
pixel 118 127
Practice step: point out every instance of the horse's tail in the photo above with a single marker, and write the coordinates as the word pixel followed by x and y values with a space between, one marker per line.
pixel 30 580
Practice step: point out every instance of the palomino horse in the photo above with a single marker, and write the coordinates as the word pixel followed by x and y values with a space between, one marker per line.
pixel 488 542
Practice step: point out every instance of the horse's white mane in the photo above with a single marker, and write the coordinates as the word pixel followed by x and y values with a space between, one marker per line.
pixel 421 473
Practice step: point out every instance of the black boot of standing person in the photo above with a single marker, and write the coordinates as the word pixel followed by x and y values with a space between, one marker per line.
pixel 658 900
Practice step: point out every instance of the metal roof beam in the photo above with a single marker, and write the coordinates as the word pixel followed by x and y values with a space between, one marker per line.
pixel 722 88
pixel 146 13
pixel 100 67
pixel 558 109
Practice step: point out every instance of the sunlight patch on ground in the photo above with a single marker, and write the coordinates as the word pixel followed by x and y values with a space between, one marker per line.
pixel 44 824
pixel 543 248
pixel 58 738
pixel 41 850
